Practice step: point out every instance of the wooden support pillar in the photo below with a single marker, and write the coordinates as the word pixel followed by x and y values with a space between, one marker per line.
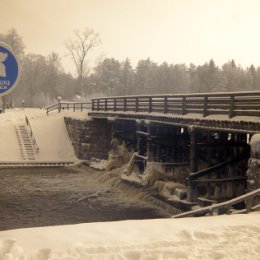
pixel 141 142
pixel 193 163
pixel 141 145
pixel 149 145
pixel 209 141
pixel 193 152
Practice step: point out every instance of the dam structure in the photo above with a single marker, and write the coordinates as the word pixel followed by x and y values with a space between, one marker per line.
pixel 193 149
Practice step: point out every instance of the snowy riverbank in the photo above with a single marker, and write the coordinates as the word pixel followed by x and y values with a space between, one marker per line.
pixel 50 133
pixel 221 237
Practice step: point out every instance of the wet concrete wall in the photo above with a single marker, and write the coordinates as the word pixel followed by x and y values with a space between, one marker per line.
pixel 90 138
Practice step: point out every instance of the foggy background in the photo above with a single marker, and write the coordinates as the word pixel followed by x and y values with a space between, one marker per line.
pixel 81 49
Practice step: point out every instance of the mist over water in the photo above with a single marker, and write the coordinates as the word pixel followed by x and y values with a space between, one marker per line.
pixel 56 196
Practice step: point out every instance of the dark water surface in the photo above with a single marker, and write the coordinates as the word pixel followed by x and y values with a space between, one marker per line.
pixel 49 196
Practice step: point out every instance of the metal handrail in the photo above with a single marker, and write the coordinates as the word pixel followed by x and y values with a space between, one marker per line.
pixel 36 147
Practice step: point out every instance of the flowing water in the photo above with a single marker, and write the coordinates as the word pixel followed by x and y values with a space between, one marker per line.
pixel 56 196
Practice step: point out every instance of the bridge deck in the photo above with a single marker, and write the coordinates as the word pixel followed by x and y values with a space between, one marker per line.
pixel 241 124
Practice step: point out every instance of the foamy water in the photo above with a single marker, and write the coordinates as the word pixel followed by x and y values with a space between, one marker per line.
pixel 42 197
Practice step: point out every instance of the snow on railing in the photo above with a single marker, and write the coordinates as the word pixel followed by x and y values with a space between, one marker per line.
pixel 68 106
pixel 226 103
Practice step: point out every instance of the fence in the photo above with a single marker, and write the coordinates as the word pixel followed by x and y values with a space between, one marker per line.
pixel 230 103
pixel 69 106
pixel 225 207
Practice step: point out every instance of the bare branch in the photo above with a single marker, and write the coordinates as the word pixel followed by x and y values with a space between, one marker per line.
pixel 79 47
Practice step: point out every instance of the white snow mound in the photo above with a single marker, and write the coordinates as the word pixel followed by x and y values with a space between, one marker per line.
pixel 221 237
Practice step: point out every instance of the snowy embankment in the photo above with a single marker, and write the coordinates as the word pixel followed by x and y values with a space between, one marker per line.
pixel 219 237
pixel 50 134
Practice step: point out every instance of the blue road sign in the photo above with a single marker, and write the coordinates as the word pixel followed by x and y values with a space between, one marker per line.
pixel 9 70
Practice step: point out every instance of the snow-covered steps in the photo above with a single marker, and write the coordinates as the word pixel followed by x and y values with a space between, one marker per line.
pixel 25 141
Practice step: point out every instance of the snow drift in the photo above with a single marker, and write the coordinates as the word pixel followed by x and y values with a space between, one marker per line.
pixel 220 237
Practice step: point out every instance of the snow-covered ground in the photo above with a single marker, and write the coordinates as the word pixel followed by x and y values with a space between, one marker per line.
pixel 50 133
pixel 220 237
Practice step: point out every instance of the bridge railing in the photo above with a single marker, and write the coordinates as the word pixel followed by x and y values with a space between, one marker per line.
pixel 250 199
pixel 229 103
pixel 69 106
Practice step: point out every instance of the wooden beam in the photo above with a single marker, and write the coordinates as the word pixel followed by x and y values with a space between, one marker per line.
pixel 175 164
pixel 193 150
pixel 234 179
pixel 217 167
pixel 141 133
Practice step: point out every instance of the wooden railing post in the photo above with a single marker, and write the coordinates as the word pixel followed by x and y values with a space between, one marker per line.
pixel 193 163
pixel 136 104
pixel 150 109
pixel 93 105
pixel 114 104
pixel 205 106
pixel 231 108
pixel 59 107
pixel 249 204
pixel 97 104
pixel 105 104
pixel 165 105
pixel 183 105
pixel 124 104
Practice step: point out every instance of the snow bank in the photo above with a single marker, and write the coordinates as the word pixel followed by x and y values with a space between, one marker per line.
pixel 52 137
pixel 222 237
pixel 49 131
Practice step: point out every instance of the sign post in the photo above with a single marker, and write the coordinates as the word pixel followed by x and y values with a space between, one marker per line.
pixel 9 71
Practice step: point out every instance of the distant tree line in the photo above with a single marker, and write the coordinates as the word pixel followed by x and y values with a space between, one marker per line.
pixel 43 78
pixel 112 77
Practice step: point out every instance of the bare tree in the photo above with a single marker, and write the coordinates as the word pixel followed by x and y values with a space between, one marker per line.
pixel 15 41
pixel 79 48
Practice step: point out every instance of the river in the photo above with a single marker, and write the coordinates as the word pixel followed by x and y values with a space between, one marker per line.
pixel 34 197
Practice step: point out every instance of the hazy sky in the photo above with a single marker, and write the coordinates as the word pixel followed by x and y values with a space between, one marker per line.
pixel 176 31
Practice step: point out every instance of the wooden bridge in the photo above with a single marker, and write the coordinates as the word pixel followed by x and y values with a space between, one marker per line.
pixel 233 111
pixel 214 124
pixel 203 139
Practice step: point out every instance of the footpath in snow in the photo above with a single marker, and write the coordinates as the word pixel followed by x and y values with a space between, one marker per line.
pixel 220 237
pixel 50 134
